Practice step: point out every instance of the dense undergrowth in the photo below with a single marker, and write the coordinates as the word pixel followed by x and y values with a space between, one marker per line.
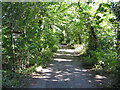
pixel 32 31
pixel 28 40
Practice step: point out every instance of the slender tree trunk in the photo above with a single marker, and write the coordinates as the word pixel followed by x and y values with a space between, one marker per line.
pixel 12 51
pixel 93 38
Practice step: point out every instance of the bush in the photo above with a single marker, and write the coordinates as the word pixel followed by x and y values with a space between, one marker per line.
pixel 107 59
pixel 54 48
pixel 10 79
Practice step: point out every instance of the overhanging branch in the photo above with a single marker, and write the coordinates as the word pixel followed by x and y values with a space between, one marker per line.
pixel 79 5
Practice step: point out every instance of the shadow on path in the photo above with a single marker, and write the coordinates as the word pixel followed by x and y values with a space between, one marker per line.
pixel 65 71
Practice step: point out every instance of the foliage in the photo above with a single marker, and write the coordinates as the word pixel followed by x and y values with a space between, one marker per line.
pixel 27 39
pixel 31 32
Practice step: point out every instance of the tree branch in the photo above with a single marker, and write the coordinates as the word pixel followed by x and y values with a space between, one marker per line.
pixel 79 5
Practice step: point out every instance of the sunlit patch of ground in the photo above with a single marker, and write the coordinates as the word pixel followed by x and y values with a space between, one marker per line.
pixel 80 49
pixel 61 60
pixel 66 50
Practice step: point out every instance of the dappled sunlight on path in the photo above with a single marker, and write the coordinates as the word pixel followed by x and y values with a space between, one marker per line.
pixel 66 50
pixel 65 71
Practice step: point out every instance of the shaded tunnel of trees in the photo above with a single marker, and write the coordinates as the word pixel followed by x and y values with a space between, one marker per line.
pixel 31 33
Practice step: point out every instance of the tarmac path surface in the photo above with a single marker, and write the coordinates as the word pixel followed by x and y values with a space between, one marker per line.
pixel 65 71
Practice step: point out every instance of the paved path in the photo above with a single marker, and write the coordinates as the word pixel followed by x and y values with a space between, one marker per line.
pixel 65 71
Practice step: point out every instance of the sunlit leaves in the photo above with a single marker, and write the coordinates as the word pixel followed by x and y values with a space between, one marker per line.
pixel 44 24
